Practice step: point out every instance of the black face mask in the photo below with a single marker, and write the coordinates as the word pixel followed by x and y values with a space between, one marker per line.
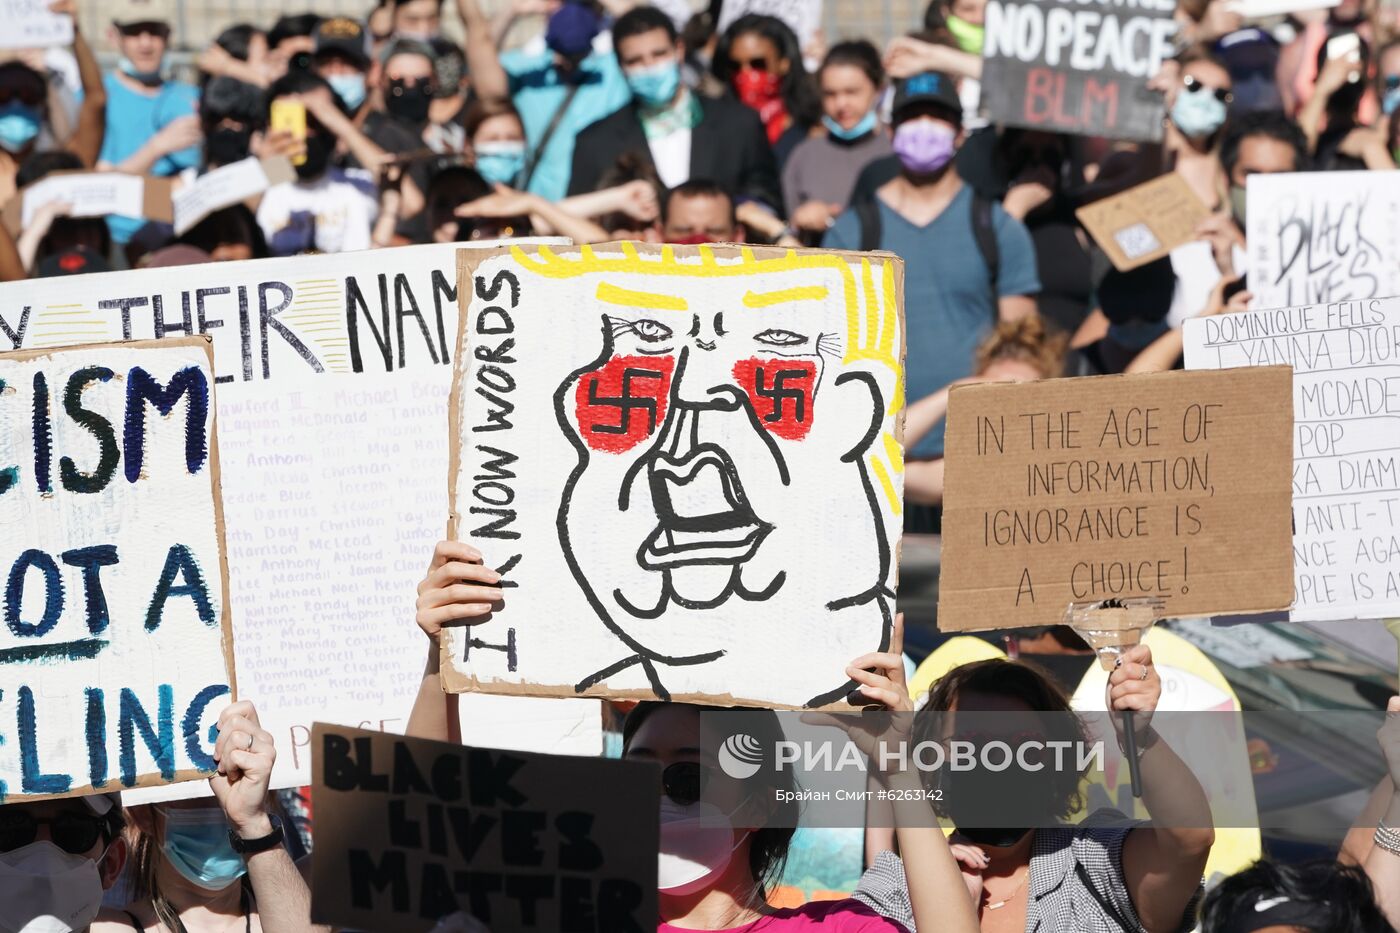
pixel 318 156
pixel 225 145
pixel 409 102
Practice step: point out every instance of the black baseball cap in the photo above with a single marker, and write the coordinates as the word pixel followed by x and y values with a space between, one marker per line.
pixel 341 35
pixel 929 87
pixel 76 260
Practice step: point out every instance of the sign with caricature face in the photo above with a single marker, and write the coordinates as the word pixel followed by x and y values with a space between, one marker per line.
pixel 685 462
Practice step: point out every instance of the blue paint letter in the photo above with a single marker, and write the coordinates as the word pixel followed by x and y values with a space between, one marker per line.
pixel 159 741
pixel 180 561
pixel 142 387
pixel 96 729
pixel 189 726
pixel 32 779
pixel 91 560
pixel 14 595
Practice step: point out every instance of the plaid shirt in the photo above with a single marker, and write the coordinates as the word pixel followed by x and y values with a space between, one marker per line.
pixel 1076 883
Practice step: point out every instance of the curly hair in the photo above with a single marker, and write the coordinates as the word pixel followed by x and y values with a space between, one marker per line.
pixel 1333 896
pixel 1027 340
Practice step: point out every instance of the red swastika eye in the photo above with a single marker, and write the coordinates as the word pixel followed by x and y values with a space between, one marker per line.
pixel 782 393
pixel 623 402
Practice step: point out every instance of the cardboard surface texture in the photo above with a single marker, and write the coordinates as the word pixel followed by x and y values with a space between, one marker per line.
pixel 1071 490
pixel 1346 442
pixel 1077 68
pixel 393 852
pixel 657 448
pixel 91 194
pixel 117 653
pixel 1145 222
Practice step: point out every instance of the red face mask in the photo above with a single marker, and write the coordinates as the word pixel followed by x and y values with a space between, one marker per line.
pixel 762 91
pixel 694 239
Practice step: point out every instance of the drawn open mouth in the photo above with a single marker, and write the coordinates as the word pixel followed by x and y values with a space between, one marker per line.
pixel 703 515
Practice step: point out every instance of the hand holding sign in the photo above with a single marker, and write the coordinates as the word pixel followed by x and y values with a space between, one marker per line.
pixel 458 589
pixel 245 754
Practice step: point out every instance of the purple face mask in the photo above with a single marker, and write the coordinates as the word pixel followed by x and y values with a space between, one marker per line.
pixel 924 146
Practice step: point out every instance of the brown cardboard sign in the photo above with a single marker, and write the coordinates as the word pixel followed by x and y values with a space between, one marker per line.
pixel 411 830
pixel 117 655
pixel 1075 490
pixel 1145 222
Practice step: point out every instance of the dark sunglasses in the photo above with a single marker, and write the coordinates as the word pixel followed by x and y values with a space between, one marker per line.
pixel 132 30
pixel 757 64
pixel 1392 82
pixel 74 833
pixel 26 94
pixel 1220 93
pixel 681 781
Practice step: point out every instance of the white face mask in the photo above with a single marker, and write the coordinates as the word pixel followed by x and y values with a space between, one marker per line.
pixel 697 843
pixel 46 890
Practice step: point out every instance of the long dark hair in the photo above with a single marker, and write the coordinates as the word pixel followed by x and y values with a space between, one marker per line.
pixel 799 93
pixel 768 850
pixel 1340 896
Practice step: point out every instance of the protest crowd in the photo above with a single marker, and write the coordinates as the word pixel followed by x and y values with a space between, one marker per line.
pixel 438 122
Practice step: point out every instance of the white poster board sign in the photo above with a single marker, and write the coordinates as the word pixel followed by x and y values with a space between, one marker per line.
pixel 116 653
pixel 1346 452
pixel 29 24
pixel 804 17
pixel 225 186
pixel 1317 237
pixel 89 194
pixel 660 448
pixel 334 373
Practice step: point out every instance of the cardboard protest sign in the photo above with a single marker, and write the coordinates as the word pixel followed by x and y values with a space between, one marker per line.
pixel 1346 443
pixel 660 449
pixel 1144 223
pixel 1077 68
pixel 29 24
pixel 804 17
pixel 1168 485
pixel 227 185
pixel 116 657
pixel 409 831
pixel 91 194
pixel 1318 237
pixel 333 372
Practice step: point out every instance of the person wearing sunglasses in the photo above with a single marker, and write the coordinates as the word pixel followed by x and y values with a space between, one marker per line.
pixel 1197 109
pixel 759 59
pixel 152 123
pixel 57 859
pixel 25 107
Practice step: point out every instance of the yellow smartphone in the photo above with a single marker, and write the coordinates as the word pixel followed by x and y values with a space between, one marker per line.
pixel 290 116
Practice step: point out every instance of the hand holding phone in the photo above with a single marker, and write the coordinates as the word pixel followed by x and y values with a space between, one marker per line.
pixel 290 116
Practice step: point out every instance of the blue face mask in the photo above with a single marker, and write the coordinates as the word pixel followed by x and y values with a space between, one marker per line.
pixel 1198 113
pixel 128 68
pixel 19 124
pixel 656 85
pixel 1390 102
pixel 500 163
pixel 866 125
pixel 350 88
pixel 196 843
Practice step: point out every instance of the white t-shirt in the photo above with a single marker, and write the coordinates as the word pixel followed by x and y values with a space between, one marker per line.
pixel 1196 274
pixel 333 214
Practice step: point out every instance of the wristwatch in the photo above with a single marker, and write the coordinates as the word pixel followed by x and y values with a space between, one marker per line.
pixel 247 847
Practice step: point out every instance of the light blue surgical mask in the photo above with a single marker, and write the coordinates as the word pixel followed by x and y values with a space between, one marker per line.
pixel 19 124
pixel 128 68
pixel 1198 113
pixel 656 85
pixel 196 843
pixel 1390 102
pixel 500 163
pixel 350 88
pixel 866 125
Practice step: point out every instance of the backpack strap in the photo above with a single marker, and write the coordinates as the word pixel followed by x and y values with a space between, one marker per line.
pixel 986 236
pixel 1107 905
pixel 868 214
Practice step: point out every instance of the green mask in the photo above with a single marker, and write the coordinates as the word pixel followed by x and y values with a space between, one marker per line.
pixel 1237 203
pixel 968 36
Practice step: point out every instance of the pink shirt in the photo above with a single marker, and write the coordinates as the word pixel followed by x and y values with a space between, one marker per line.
pixel 848 916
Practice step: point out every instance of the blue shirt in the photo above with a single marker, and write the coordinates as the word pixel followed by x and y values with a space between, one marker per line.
pixel 538 89
pixel 133 118
pixel 948 302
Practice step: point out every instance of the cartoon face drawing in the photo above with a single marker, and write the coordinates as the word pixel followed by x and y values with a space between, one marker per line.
pixel 720 425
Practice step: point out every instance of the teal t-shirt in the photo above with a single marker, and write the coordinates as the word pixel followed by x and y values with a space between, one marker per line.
pixel 948 301
pixel 133 118
pixel 538 89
